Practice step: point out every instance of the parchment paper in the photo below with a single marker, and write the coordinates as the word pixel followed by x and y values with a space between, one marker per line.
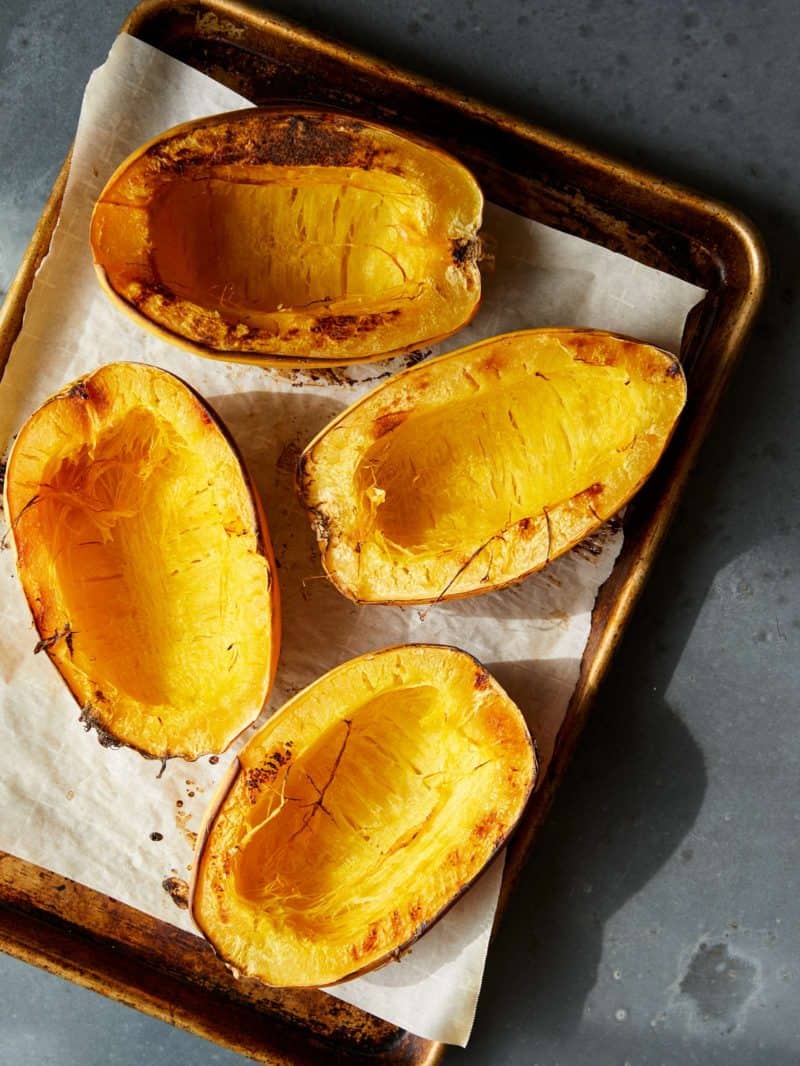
pixel 103 817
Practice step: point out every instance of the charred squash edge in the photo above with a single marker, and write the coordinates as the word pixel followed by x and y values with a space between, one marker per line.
pixel 466 253
pixel 231 775
pixel 76 390
pixel 319 521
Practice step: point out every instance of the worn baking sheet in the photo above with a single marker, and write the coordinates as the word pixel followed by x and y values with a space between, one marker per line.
pixel 158 11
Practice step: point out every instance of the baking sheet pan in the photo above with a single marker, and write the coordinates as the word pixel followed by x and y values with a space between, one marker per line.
pixel 85 936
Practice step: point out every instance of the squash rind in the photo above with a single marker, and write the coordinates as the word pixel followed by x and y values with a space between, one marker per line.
pixel 289 188
pixel 471 471
pixel 351 893
pixel 105 455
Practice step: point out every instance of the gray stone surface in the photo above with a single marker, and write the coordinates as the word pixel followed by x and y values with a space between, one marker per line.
pixel 659 920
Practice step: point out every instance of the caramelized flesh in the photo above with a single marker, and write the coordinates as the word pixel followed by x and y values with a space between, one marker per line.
pixel 290 237
pixel 469 472
pixel 359 813
pixel 138 549
pixel 133 547
pixel 396 770
pixel 451 478
pixel 245 248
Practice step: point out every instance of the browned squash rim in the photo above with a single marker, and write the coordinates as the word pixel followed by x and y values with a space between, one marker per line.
pixel 229 779
pixel 263 548
pixel 320 521
pixel 468 253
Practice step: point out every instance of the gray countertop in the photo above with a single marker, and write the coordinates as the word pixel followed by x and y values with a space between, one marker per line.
pixel 658 921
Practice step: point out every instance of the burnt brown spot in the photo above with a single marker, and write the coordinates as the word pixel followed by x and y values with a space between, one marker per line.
pixel 321 525
pixel 492 364
pixel 178 890
pixel 283 141
pixel 145 292
pixel 280 758
pixel 415 357
pixel 156 836
pixel 674 369
pixel 89 719
pixel 465 250
pixel 46 643
pixel 487 825
pixel 335 327
pixel 387 422
pixel 343 327
pixel 588 548
pixel 525 525
pixel 237 332
pixel 415 912
pixel 481 680
pixel 379 318
pixel 595 489
pixel 257 777
pixel 213 759
pixel 79 391
pixel 370 940
pixel 101 398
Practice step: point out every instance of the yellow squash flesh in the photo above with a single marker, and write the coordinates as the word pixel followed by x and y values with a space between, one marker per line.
pixel 145 559
pixel 359 813
pixel 470 471
pixel 286 237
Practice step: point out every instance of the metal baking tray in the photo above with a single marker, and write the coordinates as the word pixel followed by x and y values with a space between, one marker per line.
pixel 99 943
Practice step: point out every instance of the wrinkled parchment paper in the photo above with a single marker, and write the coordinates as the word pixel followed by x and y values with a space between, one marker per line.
pixel 104 817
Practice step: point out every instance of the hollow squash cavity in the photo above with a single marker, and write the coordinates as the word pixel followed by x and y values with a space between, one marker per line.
pixel 249 250
pixel 468 472
pixel 138 546
pixel 275 236
pixel 360 794
pixel 360 812
pixel 516 447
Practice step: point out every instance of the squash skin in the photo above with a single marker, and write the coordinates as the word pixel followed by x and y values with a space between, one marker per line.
pixel 387 477
pixel 430 261
pixel 91 411
pixel 270 943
